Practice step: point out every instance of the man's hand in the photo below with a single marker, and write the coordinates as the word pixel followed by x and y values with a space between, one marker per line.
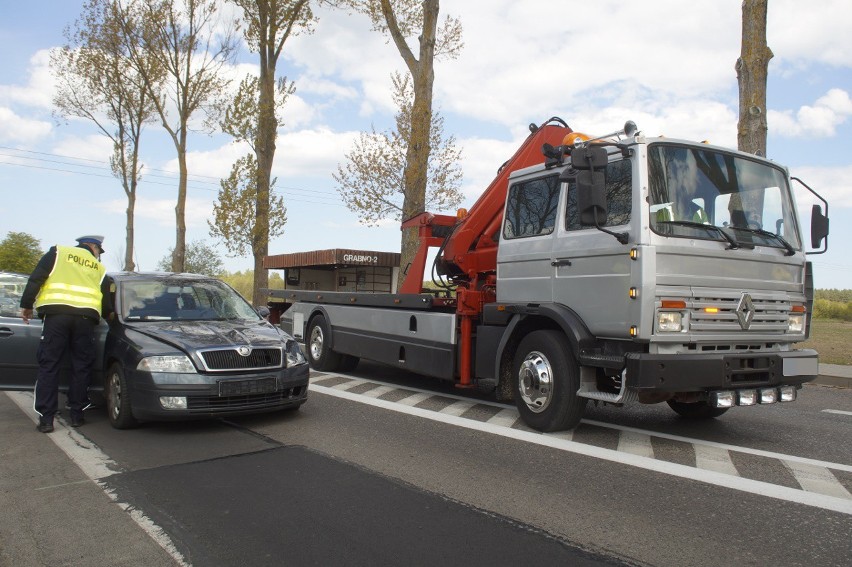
pixel 26 315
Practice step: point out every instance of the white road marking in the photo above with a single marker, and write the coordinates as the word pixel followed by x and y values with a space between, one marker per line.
pixel 747 450
pixel 96 465
pixel 414 399
pixel 702 475
pixel 457 408
pixel 348 385
pixel 817 479
pixel 380 391
pixel 636 444
pixel 837 411
pixel 715 459
pixel 504 418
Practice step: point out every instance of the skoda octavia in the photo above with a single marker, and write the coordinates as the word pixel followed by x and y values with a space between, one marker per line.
pixel 180 346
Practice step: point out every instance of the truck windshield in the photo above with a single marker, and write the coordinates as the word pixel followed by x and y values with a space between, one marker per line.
pixel 712 195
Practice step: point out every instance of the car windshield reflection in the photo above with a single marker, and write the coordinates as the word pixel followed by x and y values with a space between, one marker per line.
pixel 170 300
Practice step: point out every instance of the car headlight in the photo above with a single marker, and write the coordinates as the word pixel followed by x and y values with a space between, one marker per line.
pixel 179 364
pixel 796 323
pixel 669 321
pixel 294 354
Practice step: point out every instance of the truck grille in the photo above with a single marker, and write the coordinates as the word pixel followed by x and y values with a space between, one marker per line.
pixel 769 315
pixel 225 360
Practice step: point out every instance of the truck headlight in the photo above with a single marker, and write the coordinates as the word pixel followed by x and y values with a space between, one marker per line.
pixel 796 323
pixel 669 321
pixel 294 354
pixel 179 364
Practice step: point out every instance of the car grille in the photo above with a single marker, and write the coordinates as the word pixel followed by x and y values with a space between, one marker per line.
pixel 213 404
pixel 225 360
pixel 770 315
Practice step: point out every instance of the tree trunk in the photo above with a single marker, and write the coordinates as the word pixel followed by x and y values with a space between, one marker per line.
pixel 179 256
pixel 752 69
pixel 129 266
pixel 417 154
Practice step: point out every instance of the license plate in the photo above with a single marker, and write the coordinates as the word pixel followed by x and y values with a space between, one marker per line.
pixel 246 387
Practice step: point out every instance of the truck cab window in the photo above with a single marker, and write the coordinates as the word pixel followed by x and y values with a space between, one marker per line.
pixel 714 195
pixel 619 180
pixel 531 207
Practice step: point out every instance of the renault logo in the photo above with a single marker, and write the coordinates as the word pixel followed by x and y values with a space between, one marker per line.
pixel 244 350
pixel 745 311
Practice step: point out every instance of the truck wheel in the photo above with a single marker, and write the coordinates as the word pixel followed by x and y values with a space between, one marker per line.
pixel 320 356
pixel 696 410
pixel 546 380
pixel 118 399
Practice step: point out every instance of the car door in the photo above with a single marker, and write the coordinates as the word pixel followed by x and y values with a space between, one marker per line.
pixel 18 340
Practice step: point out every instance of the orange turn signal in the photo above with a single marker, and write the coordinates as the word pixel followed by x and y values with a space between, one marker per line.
pixel 673 304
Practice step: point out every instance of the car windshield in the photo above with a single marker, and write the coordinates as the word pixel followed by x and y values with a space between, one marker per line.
pixel 708 194
pixel 166 300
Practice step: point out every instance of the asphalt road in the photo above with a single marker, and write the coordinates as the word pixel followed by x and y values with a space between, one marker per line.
pixel 362 478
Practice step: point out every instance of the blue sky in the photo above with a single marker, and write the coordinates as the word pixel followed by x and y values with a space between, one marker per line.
pixel 666 64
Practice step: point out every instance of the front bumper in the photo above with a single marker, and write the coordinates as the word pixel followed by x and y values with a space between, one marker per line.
pixel 211 400
pixel 706 372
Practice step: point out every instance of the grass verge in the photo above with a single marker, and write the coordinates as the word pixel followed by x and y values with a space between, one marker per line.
pixel 832 339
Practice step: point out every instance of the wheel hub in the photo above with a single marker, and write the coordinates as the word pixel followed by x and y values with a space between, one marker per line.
pixel 535 382
pixel 316 342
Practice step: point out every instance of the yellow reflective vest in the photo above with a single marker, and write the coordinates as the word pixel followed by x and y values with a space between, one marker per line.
pixel 74 281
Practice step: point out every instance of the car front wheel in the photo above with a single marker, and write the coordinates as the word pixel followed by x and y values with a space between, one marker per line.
pixel 118 399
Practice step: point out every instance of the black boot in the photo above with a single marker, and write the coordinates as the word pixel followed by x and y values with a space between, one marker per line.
pixel 45 426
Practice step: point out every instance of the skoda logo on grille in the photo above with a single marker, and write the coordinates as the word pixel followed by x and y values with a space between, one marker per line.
pixel 745 311
pixel 244 350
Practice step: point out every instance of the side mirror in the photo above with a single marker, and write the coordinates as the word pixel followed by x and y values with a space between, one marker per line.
pixel 819 226
pixel 263 311
pixel 589 157
pixel 591 198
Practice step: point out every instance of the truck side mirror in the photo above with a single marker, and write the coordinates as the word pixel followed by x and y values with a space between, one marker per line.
pixel 589 157
pixel 819 226
pixel 591 198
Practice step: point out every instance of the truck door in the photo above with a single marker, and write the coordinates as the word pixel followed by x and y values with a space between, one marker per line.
pixel 524 257
pixel 592 268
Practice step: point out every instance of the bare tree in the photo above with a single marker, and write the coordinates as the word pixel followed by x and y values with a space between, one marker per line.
pixel 400 20
pixel 372 182
pixel 752 69
pixel 191 46
pixel 254 117
pixel 95 82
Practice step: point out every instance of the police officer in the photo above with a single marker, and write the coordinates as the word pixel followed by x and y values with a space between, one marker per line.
pixel 70 292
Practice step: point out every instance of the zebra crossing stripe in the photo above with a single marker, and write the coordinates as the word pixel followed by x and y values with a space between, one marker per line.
pixel 636 444
pixel 714 456
pixel 817 479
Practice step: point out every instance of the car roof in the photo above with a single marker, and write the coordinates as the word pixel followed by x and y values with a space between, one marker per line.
pixel 157 276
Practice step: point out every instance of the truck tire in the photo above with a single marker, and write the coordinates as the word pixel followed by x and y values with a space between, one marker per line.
pixel 696 410
pixel 320 355
pixel 545 380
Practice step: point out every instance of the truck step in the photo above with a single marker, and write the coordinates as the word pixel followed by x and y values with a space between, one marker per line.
pixel 591 358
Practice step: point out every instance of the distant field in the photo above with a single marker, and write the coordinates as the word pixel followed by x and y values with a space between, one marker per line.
pixel 832 339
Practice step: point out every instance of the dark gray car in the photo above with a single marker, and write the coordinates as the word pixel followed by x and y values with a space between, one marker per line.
pixel 181 346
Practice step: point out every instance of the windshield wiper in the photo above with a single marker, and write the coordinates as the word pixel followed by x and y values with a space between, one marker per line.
pixel 776 237
pixel 731 240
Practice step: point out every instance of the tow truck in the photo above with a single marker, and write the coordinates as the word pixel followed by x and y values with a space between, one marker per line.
pixel 618 269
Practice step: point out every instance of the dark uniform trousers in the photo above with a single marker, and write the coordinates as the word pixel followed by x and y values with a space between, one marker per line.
pixel 62 333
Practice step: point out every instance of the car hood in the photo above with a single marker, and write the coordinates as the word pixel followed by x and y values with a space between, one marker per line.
pixel 195 335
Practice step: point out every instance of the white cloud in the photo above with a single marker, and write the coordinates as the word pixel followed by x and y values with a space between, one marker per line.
pixel 820 120
pixel 40 87
pixel 801 33
pixel 833 183
pixel 162 211
pixel 16 129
